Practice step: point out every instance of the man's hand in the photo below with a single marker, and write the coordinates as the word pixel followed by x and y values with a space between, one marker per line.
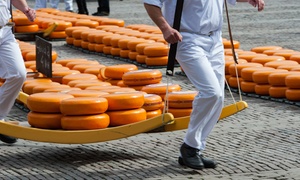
pixel 172 35
pixel 30 13
pixel 260 4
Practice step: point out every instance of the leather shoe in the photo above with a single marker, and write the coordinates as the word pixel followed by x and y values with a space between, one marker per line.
pixel 190 157
pixel 101 13
pixel 7 139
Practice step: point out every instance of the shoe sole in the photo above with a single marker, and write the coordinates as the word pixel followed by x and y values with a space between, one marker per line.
pixel 181 162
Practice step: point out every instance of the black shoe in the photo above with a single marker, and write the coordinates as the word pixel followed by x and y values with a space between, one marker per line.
pixel 190 157
pixel 7 139
pixel 208 163
pixel 100 14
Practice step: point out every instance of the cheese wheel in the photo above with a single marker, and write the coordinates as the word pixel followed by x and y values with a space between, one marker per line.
pixel 91 46
pixel 152 102
pixel 82 67
pixel 107 49
pixel 70 77
pixel 22 20
pixel 131 45
pixel 78 81
pixel 118 118
pixel 295 57
pixel 117 71
pixel 99 48
pixel 31 56
pixel 153 113
pixel 227 44
pixel 180 112
pixel 275 64
pixel 246 73
pixel 100 88
pixel 264 59
pixel 229 62
pixel 234 82
pixel 28 87
pixel 46 102
pixel 249 56
pixel 142 77
pixel 261 76
pixel 70 30
pixel 240 66
pixel 160 89
pixel 248 87
pixel 141 46
pixel 85 122
pixel 64 62
pixel 60 89
pixel 132 55
pixel 124 101
pixel 44 120
pixel 122 43
pixel 288 67
pixel 114 40
pixel 118 90
pixel 115 51
pixel 278 78
pixel 84 85
pixel 292 94
pixel 74 63
pixel 84 44
pixel 99 37
pixel 93 70
pixel 293 81
pixel 124 53
pixel 27 28
pixel 141 59
pixel 154 51
pixel 43 87
pixel 111 21
pixel 83 106
pixel 86 93
pixel 277 91
pixel 181 99
pixel 261 49
pixel 157 61
pixel 88 23
pixel 262 89
pixel 272 52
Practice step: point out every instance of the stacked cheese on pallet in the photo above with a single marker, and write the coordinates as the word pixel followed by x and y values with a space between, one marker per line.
pixel 122 42
pixel 22 24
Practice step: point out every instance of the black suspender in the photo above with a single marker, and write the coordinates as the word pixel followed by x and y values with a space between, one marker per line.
pixel 173 47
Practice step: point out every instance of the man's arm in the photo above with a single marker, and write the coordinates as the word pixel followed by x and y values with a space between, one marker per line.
pixel 260 4
pixel 23 6
pixel 171 35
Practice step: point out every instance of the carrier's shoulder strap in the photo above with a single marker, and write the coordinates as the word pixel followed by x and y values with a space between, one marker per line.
pixel 173 47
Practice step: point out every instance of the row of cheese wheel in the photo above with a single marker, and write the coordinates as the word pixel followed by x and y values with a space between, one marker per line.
pixel 47 16
pixel 124 42
pixel 265 70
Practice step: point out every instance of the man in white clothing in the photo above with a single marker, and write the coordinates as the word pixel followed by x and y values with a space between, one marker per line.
pixel 200 54
pixel 12 68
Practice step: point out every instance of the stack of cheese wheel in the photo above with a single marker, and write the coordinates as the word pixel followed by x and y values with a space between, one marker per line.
pixel 141 57
pixel 69 36
pixel 84 113
pixel 125 108
pixel 261 49
pixel 122 44
pixel 45 110
pixel 84 37
pixel 277 82
pixel 180 103
pixel 227 44
pixel 156 55
pixel 260 77
pixel 247 85
pixel 29 85
pixel 76 34
pixel 59 32
pixel 139 78
pixel 70 77
pixel 235 72
pixel 292 81
pixel 114 73
pixel 115 50
pixel 23 25
pixel 153 105
pixel 160 89
pixel 132 44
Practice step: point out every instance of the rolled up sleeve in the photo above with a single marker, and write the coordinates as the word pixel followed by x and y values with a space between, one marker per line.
pixel 154 2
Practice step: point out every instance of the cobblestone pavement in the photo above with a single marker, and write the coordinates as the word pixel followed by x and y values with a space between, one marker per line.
pixel 261 142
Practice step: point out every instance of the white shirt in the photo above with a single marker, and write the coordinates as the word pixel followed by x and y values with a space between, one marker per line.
pixel 4 12
pixel 198 16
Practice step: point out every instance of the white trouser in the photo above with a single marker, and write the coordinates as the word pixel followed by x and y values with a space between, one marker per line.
pixel 40 4
pixel 202 59
pixel 68 4
pixel 12 69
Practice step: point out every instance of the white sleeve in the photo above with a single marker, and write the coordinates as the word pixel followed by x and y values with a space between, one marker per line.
pixel 154 2
pixel 232 2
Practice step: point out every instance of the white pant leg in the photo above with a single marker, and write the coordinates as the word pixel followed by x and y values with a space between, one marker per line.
pixel 12 69
pixel 69 5
pixel 202 59
pixel 54 4
pixel 40 4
